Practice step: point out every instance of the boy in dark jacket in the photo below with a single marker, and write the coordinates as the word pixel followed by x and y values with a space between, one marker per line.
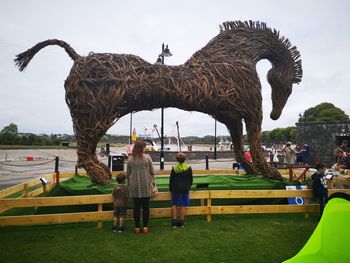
pixel 120 200
pixel 180 184
pixel 319 186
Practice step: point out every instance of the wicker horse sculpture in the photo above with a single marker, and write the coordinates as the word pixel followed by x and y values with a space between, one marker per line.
pixel 220 80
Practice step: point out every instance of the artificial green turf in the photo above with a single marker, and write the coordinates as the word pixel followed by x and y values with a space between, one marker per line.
pixel 82 185
pixel 230 238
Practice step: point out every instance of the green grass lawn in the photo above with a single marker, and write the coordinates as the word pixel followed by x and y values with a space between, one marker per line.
pixel 230 238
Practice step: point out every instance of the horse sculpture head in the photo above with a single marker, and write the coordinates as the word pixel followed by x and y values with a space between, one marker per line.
pixel 249 42
pixel 286 70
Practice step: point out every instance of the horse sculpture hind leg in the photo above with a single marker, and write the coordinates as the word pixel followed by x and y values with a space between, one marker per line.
pixel 93 113
pixel 87 138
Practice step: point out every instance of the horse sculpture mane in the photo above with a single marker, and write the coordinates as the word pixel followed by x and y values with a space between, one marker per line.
pixel 219 80
pixel 235 26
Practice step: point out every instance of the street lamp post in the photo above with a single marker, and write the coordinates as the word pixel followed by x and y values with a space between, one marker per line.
pixel 130 139
pixel 215 142
pixel 160 61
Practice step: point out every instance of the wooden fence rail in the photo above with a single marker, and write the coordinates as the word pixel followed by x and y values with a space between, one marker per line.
pixel 206 207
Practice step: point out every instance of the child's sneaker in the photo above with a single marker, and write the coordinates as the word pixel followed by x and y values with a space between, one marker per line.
pixel 137 230
pixel 181 223
pixel 121 229
pixel 174 223
pixel 145 230
pixel 114 228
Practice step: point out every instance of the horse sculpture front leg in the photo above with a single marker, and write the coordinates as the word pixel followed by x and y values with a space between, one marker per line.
pixel 253 130
pixel 236 131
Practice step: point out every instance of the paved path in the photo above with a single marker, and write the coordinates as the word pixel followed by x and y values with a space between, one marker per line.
pixel 15 169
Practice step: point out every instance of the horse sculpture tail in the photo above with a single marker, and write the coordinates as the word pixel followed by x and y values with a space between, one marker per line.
pixel 23 59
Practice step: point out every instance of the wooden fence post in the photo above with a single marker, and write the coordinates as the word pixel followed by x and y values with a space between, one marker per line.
pixel 54 179
pixel 209 207
pixel 99 222
pixel 290 174
pixel 25 190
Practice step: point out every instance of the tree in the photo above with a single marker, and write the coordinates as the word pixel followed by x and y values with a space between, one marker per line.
pixel 279 134
pixel 290 133
pixel 324 112
pixel 10 129
pixel 9 134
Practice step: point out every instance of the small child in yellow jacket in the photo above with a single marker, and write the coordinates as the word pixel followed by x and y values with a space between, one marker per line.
pixel 180 182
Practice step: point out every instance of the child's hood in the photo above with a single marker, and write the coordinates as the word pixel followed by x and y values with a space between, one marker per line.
pixel 181 167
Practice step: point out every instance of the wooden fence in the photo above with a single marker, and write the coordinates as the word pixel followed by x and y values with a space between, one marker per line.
pixel 33 187
pixel 206 207
pixel 26 192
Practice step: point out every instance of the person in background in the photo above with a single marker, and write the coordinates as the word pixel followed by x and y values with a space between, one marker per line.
pixel 289 152
pixel 343 160
pixel 180 182
pixel 319 187
pixel 306 154
pixel 272 153
pixel 299 155
pixel 343 163
pixel 281 144
pixel 140 175
pixel 273 156
pixel 120 200
pixel 344 146
pixel 248 155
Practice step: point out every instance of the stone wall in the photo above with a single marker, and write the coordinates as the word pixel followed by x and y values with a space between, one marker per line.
pixel 323 138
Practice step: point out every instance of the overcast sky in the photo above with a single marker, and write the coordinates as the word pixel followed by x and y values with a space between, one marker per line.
pixel 35 99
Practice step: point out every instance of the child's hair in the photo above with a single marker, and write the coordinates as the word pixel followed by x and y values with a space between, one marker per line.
pixel 319 166
pixel 120 178
pixel 180 157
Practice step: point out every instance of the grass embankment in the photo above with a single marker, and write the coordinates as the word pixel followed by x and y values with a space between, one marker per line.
pixel 233 238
